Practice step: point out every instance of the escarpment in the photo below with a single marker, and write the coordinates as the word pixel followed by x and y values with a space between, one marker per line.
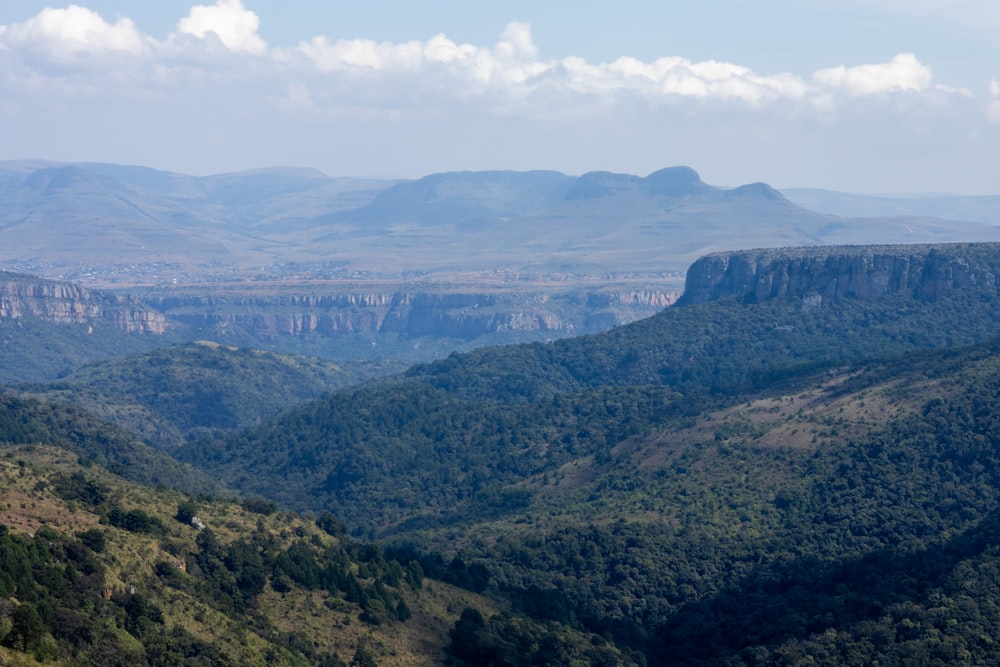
pixel 412 313
pixel 65 303
pixel 859 272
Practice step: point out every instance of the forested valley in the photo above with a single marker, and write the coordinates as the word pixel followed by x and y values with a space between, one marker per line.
pixel 778 481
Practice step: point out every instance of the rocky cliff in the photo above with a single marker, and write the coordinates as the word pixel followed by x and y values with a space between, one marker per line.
pixel 861 272
pixel 66 303
pixel 440 314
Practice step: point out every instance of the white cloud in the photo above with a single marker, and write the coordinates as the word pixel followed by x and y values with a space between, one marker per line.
pixel 904 73
pixel 63 35
pixel 235 26
pixel 680 77
pixel 509 61
pixel 220 43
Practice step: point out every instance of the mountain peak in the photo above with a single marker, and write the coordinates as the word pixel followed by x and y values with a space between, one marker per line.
pixel 675 182
pixel 755 191
pixel 595 184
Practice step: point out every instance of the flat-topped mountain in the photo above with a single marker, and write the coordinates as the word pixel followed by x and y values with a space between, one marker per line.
pixel 864 272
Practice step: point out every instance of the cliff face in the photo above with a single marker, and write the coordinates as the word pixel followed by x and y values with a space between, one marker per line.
pixel 860 272
pixel 463 315
pixel 66 303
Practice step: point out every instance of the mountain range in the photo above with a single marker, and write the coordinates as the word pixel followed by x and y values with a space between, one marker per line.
pixel 116 224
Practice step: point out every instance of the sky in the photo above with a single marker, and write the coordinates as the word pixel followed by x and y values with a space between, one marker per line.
pixel 870 96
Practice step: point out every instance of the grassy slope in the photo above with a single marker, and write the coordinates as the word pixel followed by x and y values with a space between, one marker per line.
pixel 30 502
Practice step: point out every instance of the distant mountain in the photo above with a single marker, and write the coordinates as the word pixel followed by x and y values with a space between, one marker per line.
pixel 969 208
pixel 80 219
pixel 131 225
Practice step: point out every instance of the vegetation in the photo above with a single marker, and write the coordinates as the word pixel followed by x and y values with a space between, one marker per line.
pixel 726 483
pixel 100 572
pixel 456 438
pixel 34 350
pixel 183 392
pixel 661 477
pixel 96 442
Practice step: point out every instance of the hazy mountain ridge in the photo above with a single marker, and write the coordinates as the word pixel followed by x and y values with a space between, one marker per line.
pixel 138 225
pixel 971 208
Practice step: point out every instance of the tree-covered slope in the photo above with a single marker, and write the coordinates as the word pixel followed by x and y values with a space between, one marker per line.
pixel 96 571
pixel 466 426
pixel 187 391
pixel 34 350
pixel 26 421
pixel 692 470
pixel 826 513
pixel 849 510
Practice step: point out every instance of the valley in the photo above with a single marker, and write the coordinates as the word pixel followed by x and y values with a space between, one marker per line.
pixel 624 450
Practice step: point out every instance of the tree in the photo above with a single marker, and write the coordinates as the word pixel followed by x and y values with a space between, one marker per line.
pixel 27 627
pixel 186 510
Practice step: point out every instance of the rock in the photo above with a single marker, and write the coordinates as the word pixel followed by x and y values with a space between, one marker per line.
pixel 858 272
pixel 65 303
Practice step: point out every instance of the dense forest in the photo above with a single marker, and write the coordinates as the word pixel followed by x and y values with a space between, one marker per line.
pixel 580 473
pixel 466 430
pixel 183 392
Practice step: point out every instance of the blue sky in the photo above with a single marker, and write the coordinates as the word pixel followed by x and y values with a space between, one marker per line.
pixel 857 95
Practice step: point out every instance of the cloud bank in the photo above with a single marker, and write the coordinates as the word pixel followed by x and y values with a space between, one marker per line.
pixel 212 40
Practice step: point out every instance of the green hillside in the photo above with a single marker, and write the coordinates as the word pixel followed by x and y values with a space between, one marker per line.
pixel 94 441
pixel 98 571
pixel 183 392
pixel 668 475
pixel 850 510
pixel 776 481
pixel 35 350
pixel 456 435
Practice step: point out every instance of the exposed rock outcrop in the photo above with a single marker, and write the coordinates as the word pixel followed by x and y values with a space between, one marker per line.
pixel 445 314
pixel 860 272
pixel 66 303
